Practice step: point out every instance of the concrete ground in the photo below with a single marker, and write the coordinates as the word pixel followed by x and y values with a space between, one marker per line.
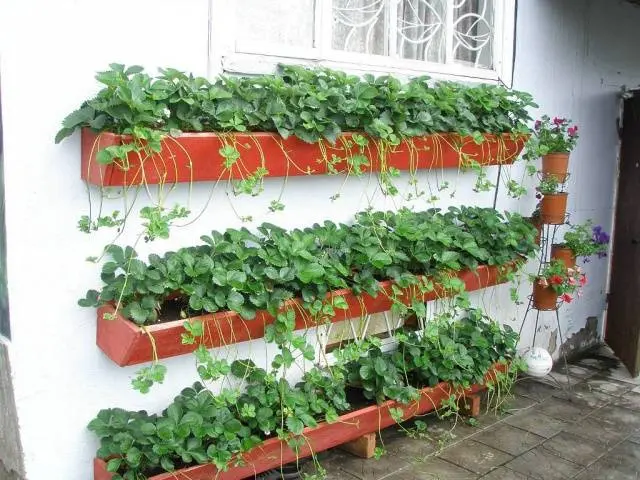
pixel 545 432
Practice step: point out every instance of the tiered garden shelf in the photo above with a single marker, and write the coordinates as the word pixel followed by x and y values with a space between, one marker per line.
pixel 126 343
pixel 194 157
pixel 274 452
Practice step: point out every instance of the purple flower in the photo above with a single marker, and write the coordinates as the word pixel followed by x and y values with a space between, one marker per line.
pixel 600 236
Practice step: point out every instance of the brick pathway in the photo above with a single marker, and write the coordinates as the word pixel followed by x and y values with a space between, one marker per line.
pixel 545 433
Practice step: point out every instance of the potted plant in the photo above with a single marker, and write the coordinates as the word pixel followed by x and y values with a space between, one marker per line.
pixel 555 281
pixel 555 140
pixel 584 240
pixel 553 202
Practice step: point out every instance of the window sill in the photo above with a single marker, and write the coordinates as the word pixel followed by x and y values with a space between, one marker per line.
pixel 258 64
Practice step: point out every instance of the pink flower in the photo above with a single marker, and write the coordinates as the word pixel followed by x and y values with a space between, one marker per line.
pixel 583 280
pixel 573 131
pixel 558 121
pixel 572 281
pixel 537 124
pixel 566 298
pixel 543 282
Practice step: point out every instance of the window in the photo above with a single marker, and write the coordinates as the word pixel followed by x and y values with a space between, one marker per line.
pixel 462 38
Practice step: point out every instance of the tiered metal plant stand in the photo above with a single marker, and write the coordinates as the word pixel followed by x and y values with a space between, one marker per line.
pixel 547 238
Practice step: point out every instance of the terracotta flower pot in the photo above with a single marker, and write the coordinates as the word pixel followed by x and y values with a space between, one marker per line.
pixel 544 298
pixel 553 208
pixel 564 254
pixel 555 165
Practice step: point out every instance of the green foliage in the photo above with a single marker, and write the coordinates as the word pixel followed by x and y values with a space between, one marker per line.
pixel 564 281
pixel 549 186
pixel 585 240
pixel 555 136
pixel 202 427
pixel 243 271
pixel 312 104
pixel 157 220
pixel 87 225
pixel 457 351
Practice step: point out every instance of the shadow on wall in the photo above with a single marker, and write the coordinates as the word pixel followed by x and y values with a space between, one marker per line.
pixel 577 343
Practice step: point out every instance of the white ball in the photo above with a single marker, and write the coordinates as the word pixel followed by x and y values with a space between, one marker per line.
pixel 538 362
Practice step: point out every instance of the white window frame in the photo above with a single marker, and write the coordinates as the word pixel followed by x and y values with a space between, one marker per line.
pixel 236 55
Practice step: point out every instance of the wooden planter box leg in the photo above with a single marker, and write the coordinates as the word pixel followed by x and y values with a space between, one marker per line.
pixel 363 447
pixel 470 405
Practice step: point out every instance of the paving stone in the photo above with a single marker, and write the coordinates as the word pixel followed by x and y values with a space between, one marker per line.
pixel 517 403
pixel 399 443
pixel 368 469
pixel 541 464
pixel 441 432
pixel 574 448
pixel 621 373
pixel 560 379
pixel 474 456
pixel 433 469
pixel 537 422
pixel 509 439
pixel 607 385
pixel 583 396
pixel 596 429
pixel 597 362
pixel 562 409
pixel 579 372
pixel 621 463
pixel 629 400
pixel 503 473
pixel 329 460
pixel 623 419
pixel 538 391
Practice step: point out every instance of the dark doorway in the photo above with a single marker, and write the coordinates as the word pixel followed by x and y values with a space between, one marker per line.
pixel 623 313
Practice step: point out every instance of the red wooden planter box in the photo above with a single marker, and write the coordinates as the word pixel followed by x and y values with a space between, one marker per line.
pixel 128 344
pixel 274 452
pixel 194 157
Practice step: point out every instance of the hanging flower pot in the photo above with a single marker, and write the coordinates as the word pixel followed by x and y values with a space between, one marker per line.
pixel 544 297
pixel 553 208
pixel 556 165
pixel 563 254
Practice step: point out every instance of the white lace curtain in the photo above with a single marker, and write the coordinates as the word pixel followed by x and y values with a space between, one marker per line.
pixel 418 28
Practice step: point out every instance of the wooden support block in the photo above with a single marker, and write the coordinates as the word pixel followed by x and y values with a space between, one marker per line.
pixel 470 405
pixel 362 447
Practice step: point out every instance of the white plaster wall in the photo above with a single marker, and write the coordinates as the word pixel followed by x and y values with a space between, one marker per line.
pixel 569 55
pixel 575 56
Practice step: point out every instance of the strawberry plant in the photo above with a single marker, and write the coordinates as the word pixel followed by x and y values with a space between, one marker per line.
pixel 315 105
pixel 201 426
pixel 244 272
